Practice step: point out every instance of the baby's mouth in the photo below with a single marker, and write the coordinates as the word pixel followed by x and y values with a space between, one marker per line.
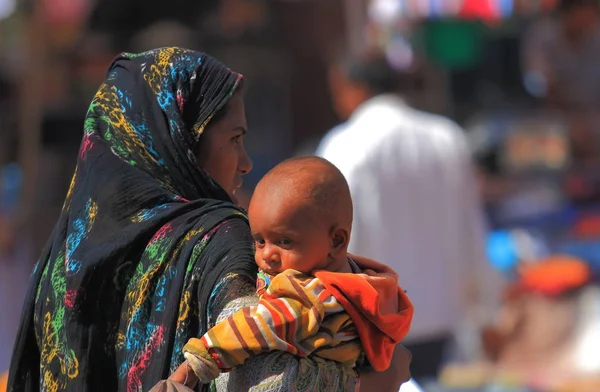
pixel 269 271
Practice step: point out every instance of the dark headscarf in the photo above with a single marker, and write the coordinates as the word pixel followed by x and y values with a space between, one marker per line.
pixel 127 274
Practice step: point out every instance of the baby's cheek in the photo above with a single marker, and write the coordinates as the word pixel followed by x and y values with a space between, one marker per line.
pixel 258 259
pixel 288 261
pixel 300 262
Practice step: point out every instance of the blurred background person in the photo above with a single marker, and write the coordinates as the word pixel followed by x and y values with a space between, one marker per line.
pixel 561 56
pixel 415 199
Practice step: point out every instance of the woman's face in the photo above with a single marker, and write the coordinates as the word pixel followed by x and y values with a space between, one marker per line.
pixel 222 153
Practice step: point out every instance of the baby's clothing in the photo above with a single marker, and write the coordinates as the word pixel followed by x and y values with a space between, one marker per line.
pixel 335 316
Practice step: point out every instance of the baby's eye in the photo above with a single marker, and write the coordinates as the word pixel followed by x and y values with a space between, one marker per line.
pixel 285 242
pixel 259 241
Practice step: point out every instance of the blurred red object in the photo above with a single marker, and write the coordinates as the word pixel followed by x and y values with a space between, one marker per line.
pixel 479 9
pixel 60 12
pixel 555 275
pixel 7 236
pixel 587 227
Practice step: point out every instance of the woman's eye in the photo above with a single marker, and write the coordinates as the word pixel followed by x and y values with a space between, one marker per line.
pixel 237 139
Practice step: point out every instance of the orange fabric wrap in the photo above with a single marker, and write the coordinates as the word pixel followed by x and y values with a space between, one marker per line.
pixel 379 308
pixel 555 275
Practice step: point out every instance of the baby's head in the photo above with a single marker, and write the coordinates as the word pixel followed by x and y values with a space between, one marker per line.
pixel 301 217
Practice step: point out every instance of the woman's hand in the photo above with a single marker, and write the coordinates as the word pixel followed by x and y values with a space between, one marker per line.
pixel 389 380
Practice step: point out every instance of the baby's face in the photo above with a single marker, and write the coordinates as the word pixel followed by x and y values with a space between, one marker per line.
pixel 286 234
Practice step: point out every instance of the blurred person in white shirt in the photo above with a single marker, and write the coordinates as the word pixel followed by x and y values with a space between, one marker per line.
pixel 561 56
pixel 415 198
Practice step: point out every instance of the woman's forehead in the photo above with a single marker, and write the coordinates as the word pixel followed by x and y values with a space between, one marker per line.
pixel 236 108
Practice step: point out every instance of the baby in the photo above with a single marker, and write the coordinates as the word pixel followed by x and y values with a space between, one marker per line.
pixel 314 298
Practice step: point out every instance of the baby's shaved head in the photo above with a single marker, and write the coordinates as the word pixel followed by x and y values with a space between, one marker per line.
pixel 313 183
pixel 301 217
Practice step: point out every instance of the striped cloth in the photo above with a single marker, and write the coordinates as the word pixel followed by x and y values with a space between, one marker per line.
pixel 298 313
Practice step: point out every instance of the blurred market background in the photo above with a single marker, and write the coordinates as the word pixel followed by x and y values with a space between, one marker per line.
pixel 482 63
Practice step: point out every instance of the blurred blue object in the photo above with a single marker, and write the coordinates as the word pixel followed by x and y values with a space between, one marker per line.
pixel 10 187
pixel 502 251
pixel 586 250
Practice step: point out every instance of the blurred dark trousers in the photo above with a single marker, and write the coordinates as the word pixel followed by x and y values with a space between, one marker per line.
pixel 427 357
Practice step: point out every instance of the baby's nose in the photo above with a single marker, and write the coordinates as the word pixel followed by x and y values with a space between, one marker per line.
pixel 270 254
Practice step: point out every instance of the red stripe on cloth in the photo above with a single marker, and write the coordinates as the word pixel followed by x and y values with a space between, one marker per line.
pixel 255 330
pixel 239 336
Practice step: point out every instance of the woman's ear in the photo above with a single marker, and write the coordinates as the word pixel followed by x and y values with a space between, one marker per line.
pixel 340 237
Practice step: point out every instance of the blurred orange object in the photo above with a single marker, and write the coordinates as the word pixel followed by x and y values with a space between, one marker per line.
pixel 554 275
pixel 583 385
pixel 3 381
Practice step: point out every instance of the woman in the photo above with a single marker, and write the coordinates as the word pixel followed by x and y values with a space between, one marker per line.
pixel 149 249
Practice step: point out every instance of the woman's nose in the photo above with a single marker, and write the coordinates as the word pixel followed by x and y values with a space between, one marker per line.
pixel 245 164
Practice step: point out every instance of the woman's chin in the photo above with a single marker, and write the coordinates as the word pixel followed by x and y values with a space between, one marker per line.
pixel 240 197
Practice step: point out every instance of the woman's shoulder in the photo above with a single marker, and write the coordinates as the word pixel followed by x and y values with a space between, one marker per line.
pixel 235 229
pixel 230 247
pixel 233 292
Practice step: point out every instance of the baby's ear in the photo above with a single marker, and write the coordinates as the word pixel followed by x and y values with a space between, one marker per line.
pixel 339 240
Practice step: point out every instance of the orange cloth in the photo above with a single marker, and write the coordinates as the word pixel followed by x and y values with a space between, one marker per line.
pixel 379 308
pixel 3 381
pixel 554 275
pixel 335 316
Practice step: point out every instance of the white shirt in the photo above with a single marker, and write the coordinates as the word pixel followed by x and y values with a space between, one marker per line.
pixel 416 207
pixel 410 386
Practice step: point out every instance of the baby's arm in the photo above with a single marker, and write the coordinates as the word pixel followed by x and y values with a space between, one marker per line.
pixel 287 316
